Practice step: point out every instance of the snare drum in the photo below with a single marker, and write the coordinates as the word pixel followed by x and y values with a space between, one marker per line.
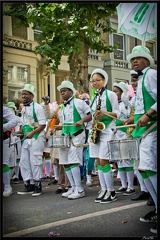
pixel 125 149
pixel 59 141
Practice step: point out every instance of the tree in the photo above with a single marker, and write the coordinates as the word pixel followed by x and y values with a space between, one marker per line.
pixel 69 29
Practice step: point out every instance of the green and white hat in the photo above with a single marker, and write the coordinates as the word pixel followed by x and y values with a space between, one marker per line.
pixel 12 105
pixel 67 84
pixel 141 51
pixel 122 86
pixel 30 88
pixel 102 72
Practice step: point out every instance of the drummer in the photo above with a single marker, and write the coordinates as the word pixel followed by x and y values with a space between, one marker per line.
pixel 74 113
pixel 125 168
pixel 145 116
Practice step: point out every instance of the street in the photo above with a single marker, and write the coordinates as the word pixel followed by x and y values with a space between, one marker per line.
pixel 27 216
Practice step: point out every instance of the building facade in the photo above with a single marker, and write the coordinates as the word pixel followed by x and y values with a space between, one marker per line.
pixel 21 65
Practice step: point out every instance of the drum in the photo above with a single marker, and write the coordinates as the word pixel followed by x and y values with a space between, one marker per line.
pixel 59 141
pixel 125 149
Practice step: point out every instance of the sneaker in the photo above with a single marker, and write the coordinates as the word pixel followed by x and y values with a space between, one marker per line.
pixel 15 180
pixel 121 190
pixel 54 182
pixel 109 197
pixel 150 201
pixel 47 179
pixel 140 196
pixel 154 229
pixel 100 196
pixel 129 192
pixel 37 190
pixel 76 194
pixel 89 183
pixel 7 191
pixel 149 217
pixel 29 188
pixel 69 192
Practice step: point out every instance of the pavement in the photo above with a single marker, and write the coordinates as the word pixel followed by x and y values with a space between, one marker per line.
pixel 51 215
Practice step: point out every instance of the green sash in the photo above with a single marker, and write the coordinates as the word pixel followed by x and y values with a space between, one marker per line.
pixel 148 102
pixel 28 128
pixel 70 130
pixel 106 119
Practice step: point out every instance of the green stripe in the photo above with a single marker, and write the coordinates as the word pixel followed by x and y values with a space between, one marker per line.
pixel 106 168
pixel 144 175
pixel 129 169
pixel 67 169
pixel 6 169
pixel 150 173
pixel 73 166
pixel 121 169
pixel 47 158
pixel 55 164
pixel 17 160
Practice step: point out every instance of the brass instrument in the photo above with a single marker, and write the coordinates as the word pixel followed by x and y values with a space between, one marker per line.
pixel 97 126
pixel 130 129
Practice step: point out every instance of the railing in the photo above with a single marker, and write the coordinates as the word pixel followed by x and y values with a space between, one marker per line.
pixel 116 63
pixel 17 43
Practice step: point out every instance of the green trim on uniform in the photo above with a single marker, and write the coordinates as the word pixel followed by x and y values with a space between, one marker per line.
pixel 99 167
pixel 47 159
pixel 54 164
pixel 144 175
pixel 106 168
pixel 150 173
pixel 129 169
pixel 67 169
pixel 17 160
pixel 6 169
pixel 121 169
pixel 148 102
pixel 73 166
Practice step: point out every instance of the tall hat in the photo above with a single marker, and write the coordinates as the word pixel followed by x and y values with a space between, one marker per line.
pixel 122 86
pixel 141 51
pixel 30 88
pixel 12 105
pixel 102 72
pixel 67 84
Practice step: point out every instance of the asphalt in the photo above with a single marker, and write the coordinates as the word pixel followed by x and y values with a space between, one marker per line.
pixel 51 215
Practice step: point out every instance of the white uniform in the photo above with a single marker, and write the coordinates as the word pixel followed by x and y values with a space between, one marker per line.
pixel 73 154
pixel 101 149
pixel 32 149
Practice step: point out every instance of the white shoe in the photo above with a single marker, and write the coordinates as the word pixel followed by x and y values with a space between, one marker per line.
pixel 89 183
pixel 69 192
pixel 76 194
pixel 7 192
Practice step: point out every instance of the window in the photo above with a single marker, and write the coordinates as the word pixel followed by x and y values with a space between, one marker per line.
pixel 37 34
pixel 17 74
pixel 118 40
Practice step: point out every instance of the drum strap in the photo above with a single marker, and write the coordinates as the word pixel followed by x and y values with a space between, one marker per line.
pixel 149 129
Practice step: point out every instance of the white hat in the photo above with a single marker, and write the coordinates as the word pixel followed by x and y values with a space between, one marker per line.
pixel 141 51
pixel 67 84
pixel 122 86
pixel 30 88
pixel 12 105
pixel 102 72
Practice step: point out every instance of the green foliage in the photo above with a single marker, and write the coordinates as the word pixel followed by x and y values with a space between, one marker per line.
pixel 66 27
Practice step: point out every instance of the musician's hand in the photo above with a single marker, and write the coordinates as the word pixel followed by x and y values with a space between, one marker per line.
pixel 143 121
pixel 29 135
pixel 79 123
pixel 128 121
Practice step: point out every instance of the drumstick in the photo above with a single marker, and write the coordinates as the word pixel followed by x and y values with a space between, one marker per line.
pixel 114 117
pixel 130 125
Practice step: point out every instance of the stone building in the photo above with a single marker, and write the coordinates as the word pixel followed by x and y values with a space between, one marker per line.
pixel 21 65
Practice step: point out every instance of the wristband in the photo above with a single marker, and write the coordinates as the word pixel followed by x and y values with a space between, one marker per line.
pixel 148 115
